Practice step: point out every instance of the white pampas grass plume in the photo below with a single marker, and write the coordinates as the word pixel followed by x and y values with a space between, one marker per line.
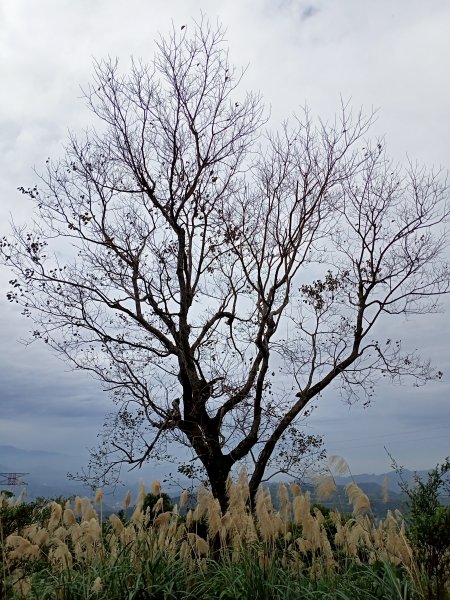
pixel 156 488
pixel 265 523
pixel 214 517
pixel 172 530
pixel 21 548
pixel 251 534
pixel 162 519
pixel 113 546
pixel 159 504
pixel 89 513
pixel 98 496
pixel 23 586
pixel 295 489
pixel 302 508
pixel 338 465
pixel 75 533
pixel 138 515
pixel 91 531
pixel 304 545
pixel 97 586
pixel 4 501
pixel 184 498
pixel 60 533
pixel 185 551
pixel 69 517
pixel 243 484
pixel 61 556
pixel 20 497
pixel 78 506
pixel 200 545
pixel 116 523
pixel 268 500
pixel 29 532
pixel 325 486
pixel 141 496
pixel 41 537
pixel 285 505
pixel 189 519
pixel 127 500
pixel 202 502
pixel 385 490
pixel 55 516
pixel 358 499
pixel 225 522
pixel 85 504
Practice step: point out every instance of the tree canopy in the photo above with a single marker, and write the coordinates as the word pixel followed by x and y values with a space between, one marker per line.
pixel 218 277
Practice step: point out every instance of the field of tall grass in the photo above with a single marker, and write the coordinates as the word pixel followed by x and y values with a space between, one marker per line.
pixel 297 551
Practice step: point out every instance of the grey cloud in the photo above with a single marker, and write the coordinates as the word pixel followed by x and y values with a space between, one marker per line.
pixel 9 132
pixel 376 61
pixel 48 391
pixel 309 11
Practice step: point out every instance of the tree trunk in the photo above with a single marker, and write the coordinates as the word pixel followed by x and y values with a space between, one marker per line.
pixel 218 472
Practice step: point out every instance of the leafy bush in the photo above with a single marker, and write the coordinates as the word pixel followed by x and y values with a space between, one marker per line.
pixel 15 516
pixel 429 527
pixel 151 500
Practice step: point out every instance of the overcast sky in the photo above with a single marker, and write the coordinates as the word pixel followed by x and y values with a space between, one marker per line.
pixel 390 55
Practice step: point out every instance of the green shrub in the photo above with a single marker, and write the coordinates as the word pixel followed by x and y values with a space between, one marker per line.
pixel 150 501
pixel 13 518
pixel 429 527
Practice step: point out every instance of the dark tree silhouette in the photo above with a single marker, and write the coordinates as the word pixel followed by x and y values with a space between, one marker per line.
pixel 217 278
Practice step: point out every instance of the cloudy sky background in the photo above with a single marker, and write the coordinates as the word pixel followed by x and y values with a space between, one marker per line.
pixel 392 56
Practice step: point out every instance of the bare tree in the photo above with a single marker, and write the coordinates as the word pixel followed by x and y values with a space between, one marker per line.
pixel 217 278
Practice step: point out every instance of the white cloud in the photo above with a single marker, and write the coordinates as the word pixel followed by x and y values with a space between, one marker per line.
pixel 391 55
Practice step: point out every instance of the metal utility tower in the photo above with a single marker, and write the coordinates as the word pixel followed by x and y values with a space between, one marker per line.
pixel 12 480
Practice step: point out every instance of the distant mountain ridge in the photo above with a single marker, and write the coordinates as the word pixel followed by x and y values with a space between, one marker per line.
pixel 392 477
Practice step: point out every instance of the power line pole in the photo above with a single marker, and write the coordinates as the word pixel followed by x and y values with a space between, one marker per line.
pixel 13 480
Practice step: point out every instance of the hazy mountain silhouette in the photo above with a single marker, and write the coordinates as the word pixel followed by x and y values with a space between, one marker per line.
pixel 47 477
